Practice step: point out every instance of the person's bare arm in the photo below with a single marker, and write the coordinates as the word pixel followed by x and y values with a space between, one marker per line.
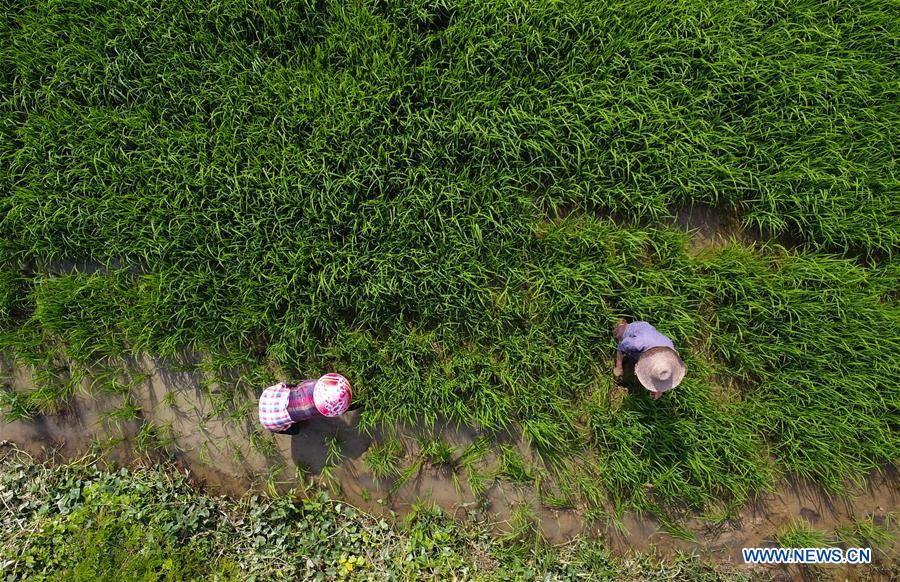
pixel 618 369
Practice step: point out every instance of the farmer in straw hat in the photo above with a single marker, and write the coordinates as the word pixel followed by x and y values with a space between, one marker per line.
pixel 282 406
pixel 656 363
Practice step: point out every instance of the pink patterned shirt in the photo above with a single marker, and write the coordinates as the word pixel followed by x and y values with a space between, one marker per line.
pixel 282 405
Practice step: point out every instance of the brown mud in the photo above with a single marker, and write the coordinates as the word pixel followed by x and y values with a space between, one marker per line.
pixel 713 227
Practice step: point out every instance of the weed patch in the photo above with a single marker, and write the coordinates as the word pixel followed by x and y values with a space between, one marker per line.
pixel 80 522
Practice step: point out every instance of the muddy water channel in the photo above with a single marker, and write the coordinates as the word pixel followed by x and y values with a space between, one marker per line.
pixel 223 451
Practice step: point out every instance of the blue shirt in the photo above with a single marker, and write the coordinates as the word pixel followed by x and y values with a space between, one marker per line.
pixel 639 337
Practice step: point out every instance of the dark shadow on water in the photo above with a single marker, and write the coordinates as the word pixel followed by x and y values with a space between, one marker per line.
pixel 309 447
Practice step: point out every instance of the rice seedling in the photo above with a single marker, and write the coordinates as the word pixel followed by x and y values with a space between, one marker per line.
pixel 524 527
pixel 329 480
pixel 203 453
pixel 333 453
pixel 237 455
pixel 154 437
pixel 302 482
pixel 602 519
pixel 271 480
pixel 100 446
pixel 512 466
pixel 384 458
pixel 170 399
pixel 241 412
pixel 555 500
pixel 438 453
pixel 800 534
pixel 407 473
pixel 113 378
pixel 16 406
pixel 126 412
pixel 474 454
pixel 53 388
pixel 478 483
pixel 718 516
pixel 263 442
pixel 868 533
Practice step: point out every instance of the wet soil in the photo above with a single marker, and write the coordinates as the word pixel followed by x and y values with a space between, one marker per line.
pixel 714 227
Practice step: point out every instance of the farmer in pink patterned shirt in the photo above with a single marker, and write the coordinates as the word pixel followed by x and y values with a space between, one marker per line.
pixel 282 406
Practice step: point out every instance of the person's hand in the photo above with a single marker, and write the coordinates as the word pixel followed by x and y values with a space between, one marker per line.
pixel 618 371
pixel 655 395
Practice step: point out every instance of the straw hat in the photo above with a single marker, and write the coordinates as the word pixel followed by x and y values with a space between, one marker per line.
pixel 659 369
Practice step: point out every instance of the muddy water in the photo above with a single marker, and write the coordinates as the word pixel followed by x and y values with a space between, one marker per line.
pixel 216 446
pixel 713 227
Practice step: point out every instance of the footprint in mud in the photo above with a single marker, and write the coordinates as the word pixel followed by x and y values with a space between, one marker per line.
pixel 810 515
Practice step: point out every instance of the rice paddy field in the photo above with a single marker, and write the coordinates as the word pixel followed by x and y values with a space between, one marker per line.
pixel 451 203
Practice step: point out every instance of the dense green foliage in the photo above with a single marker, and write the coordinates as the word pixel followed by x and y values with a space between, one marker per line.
pixel 78 522
pixel 452 202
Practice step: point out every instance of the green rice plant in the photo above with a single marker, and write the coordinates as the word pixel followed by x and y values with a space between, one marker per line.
pixel 99 446
pixel 154 437
pixel 719 516
pixel 203 453
pixel 113 378
pixel 54 388
pixel 16 405
pixel 239 413
pixel 524 527
pixel 263 442
pixel 10 293
pixel 675 529
pixel 407 473
pixel 333 453
pixel 126 412
pixel 170 399
pixel 83 312
pixel 800 534
pixel 556 501
pixel 226 403
pixel 478 484
pixel 474 454
pixel 512 466
pixel 271 480
pixel 329 480
pixel 590 489
pixel 438 453
pixel 384 458
pixel 237 455
pixel 866 532
pixel 304 485
pixel 456 481
pixel 603 519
